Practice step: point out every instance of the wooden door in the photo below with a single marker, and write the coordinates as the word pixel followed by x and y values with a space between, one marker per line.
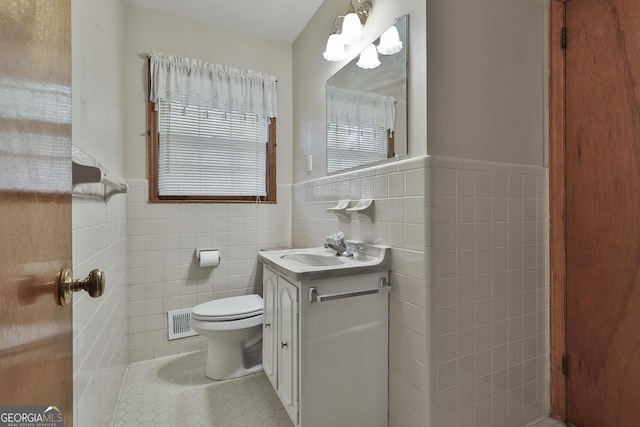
pixel 603 212
pixel 35 203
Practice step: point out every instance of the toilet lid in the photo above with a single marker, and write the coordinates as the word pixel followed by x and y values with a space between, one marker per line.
pixel 231 308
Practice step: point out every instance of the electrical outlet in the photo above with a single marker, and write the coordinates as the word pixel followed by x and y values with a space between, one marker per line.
pixel 309 163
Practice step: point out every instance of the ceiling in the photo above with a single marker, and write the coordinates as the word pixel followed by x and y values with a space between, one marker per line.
pixel 274 19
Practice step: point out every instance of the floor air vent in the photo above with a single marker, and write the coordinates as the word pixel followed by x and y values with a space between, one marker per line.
pixel 179 324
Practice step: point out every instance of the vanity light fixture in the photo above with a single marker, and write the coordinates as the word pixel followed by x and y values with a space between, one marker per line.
pixel 347 29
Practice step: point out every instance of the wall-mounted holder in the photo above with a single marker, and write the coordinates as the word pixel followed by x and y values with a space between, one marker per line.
pixel 363 210
pixel 341 210
pixel 209 257
pixel 86 172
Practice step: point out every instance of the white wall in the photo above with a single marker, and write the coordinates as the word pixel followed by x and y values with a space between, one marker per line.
pixel 100 344
pixel 97 79
pixel 311 72
pixel 487 79
pixel 99 228
pixel 489 309
pixel 148 31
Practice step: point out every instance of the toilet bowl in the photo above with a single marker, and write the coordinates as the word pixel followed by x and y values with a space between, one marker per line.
pixel 233 328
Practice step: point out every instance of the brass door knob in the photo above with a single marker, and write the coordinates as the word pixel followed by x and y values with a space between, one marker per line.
pixel 94 283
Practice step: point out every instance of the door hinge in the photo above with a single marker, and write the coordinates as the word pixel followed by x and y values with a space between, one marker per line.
pixel 563 38
pixel 565 364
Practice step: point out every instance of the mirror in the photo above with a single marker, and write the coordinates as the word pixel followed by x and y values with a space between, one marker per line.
pixel 367 104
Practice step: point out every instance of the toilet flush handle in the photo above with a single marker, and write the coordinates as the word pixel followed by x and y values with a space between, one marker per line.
pixel 94 283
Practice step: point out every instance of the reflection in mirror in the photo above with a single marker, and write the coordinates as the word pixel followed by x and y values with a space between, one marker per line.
pixel 367 104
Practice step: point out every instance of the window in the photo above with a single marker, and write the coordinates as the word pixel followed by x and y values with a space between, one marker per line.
pixel 216 144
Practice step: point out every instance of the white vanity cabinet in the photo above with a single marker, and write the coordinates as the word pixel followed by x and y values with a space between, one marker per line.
pixel 287 350
pixel 280 339
pixel 269 333
pixel 325 347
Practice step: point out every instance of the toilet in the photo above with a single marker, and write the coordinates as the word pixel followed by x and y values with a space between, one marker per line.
pixel 233 327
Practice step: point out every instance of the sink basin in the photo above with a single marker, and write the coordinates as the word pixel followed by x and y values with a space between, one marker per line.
pixel 309 263
pixel 313 260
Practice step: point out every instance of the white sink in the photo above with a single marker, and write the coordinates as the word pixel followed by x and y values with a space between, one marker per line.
pixel 299 264
pixel 313 260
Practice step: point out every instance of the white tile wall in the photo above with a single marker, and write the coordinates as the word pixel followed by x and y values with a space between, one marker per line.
pixel 469 311
pixel 163 276
pixel 399 221
pixel 99 325
pixel 491 300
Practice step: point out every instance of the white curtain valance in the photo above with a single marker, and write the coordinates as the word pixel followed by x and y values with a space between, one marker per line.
pixel 211 86
pixel 360 109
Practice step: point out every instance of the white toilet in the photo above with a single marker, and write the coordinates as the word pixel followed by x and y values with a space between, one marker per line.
pixel 233 327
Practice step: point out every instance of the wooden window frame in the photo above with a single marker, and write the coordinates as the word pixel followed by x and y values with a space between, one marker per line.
pixel 153 147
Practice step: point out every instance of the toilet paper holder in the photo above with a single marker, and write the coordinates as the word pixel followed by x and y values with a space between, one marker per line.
pixel 208 257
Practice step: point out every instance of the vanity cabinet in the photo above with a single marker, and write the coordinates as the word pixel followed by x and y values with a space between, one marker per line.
pixel 280 339
pixel 269 333
pixel 287 349
pixel 325 347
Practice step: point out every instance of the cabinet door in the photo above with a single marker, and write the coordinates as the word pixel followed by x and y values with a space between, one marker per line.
pixel 269 336
pixel 288 347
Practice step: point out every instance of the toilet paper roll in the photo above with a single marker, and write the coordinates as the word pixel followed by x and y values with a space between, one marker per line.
pixel 208 258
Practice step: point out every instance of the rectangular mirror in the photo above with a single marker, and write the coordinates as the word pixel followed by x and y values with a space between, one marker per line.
pixel 367 104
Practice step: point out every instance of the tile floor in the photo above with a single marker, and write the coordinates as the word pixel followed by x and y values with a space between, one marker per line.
pixel 173 392
pixel 549 422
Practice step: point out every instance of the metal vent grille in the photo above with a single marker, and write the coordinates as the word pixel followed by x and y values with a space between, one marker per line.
pixel 179 324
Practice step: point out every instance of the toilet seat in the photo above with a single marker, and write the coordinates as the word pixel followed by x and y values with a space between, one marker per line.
pixel 232 308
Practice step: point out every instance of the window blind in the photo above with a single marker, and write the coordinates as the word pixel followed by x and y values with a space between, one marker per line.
pixel 357 127
pixel 211 152
pixel 352 146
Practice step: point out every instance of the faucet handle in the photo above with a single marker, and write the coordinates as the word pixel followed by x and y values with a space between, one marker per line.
pixel 338 236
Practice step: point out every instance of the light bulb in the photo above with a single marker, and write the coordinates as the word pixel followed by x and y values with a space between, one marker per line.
pixel 390 42
pixel 335 48
pixel 368 58
pixel 351 29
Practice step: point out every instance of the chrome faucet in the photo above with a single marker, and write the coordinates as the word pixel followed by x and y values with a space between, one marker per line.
pixel 338 244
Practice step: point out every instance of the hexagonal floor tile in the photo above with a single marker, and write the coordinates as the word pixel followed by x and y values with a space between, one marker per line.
pixel 174 392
